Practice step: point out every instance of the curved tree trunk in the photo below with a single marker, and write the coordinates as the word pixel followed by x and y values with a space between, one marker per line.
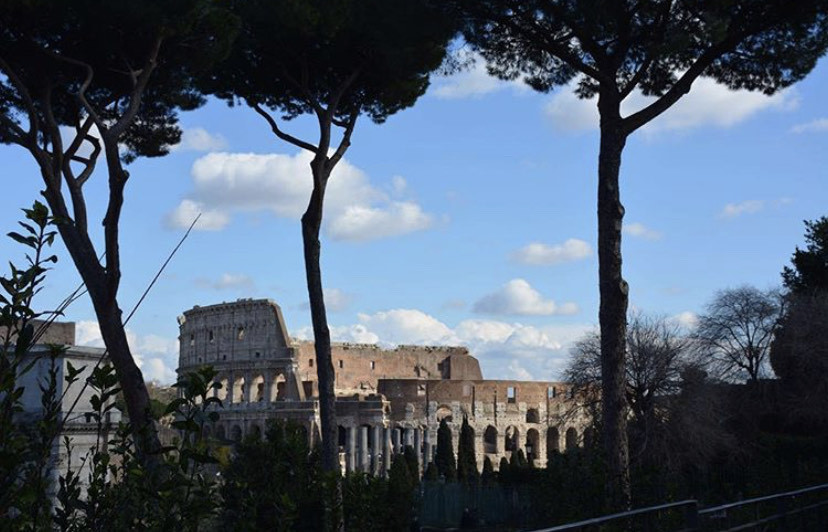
pixel 102 286
pixel 614 294
pixel 311 225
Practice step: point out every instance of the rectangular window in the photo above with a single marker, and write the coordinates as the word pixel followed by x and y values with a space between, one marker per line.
pixel 192 339
pixel 240 334
pixel 310 362
pixel 211 337
pixel 341 364
pixel 373 365
pixel 511 394
pixel 552 392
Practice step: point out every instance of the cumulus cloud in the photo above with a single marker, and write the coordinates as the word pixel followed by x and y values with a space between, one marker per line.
pixel 199 139
pixel 228 281
pixel 732 210
pixel 639 230
pixel 707 104
pixel 518 297
pixel 505 350
pixel 540 254
pixel 814 126
pixel 686 319
pixel 183 215
pixel 472 82
pixel 245 182
pixel 155 355
pixel 335 300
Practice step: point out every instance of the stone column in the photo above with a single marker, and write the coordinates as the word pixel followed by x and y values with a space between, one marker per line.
pixel 350 449
pixel 408 438
pixel 395 439
pixel 386 448
pixel 428 445
pixel 418 449
pixel 363 459
pixel 377 451
pixel 268 379
pixel 231 385
pixel 249 392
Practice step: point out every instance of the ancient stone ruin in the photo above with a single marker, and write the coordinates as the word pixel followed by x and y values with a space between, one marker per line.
pixel 386 398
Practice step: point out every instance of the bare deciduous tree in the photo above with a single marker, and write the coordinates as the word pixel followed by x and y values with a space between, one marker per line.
pixel 736 332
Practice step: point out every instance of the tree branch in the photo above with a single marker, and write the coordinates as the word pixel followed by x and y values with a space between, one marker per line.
pixel 346 138
pixel 281 134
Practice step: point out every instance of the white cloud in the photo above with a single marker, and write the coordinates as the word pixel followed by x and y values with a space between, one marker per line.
pixel 814 126
pixel 406 326
pixel 686 319
pixel 228 281
pixel 707 104
pixel 155 355
pixel 505 350
pixel 537 253
pixel 473 81
pixel 182 216
pixel 335 300
pixel 361 222
pixel 199 139
pixel 519 298
pixel 732 210
pixel 281 184
pixel 639 230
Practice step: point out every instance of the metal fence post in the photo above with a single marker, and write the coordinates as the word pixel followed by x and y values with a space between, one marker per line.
pixel 691 517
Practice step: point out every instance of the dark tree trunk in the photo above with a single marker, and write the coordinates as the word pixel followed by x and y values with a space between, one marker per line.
pixel 102 291
pixel 614 299
pixel 311 224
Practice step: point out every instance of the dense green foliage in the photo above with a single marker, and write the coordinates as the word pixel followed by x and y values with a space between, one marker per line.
pixel 808 272
pixel 444 455
pixel 467 471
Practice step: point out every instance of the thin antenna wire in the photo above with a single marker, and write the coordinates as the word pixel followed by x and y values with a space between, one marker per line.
pixel 132 312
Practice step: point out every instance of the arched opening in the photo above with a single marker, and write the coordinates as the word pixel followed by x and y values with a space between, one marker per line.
pixel 221 393
pixel 532 444
pixel 490 440
pixel 444 412
pixel 532 415
pixel 220 434
pixel 342 438
pixel 256 432
pixel 571 438
pixel 553 442
pixel 236 433
pixel 238 390
pixel 512 440
pixel 257 389
pixel 277 387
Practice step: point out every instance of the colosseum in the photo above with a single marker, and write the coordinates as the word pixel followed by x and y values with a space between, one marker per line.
pixel 386 398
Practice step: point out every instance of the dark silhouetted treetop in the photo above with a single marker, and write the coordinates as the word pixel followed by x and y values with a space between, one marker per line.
pixel 659 46
pixel 64 62
pixel 369 57
pixel 810 265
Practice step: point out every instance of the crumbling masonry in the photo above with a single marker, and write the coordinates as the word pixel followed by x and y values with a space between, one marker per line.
pixel 386 399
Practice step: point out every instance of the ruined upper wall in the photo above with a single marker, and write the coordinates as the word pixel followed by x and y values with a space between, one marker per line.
pixel 244 330
pixel 57 332
pixel 358 367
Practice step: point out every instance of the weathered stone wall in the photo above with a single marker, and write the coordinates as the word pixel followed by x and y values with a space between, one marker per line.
pixel 57 332
pixel 387 398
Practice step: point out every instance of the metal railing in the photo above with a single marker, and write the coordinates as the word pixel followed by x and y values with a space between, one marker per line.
pixel 799 510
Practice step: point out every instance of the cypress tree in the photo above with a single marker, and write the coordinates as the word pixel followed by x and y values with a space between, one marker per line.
pixel 488 476
pixel 444 459
pixel 466 458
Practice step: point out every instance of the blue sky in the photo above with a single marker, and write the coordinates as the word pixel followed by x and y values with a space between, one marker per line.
pixel 469 218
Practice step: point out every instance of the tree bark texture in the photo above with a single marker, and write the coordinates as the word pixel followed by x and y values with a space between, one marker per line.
pixel 311 225
pixel 614 295
pixel 102 286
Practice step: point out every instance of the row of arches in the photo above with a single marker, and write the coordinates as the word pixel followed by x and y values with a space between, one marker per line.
pixel 250 388
pixel 531 445
pixel 445 412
